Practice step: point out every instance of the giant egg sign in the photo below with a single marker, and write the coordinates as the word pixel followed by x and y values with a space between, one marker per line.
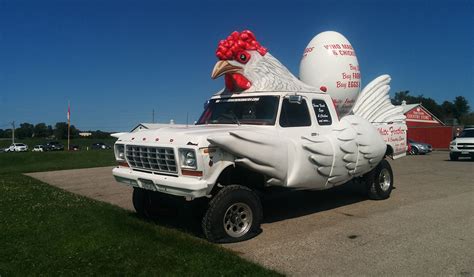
pixel 329 63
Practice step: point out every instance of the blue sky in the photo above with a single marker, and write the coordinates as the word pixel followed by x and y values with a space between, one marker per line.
pixel 116 61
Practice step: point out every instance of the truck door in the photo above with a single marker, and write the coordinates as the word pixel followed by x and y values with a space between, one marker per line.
pixel 296 123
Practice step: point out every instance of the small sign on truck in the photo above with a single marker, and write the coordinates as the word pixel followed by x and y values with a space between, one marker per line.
pixel 268 128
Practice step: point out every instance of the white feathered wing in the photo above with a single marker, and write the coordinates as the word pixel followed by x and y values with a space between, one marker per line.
pixel 374 103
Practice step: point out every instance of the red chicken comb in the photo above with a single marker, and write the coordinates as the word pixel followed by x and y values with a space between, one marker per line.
pixel 237 42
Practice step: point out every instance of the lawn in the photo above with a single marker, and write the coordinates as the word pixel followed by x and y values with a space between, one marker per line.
pixel 83 143
pixel 21 162
pixel 47 231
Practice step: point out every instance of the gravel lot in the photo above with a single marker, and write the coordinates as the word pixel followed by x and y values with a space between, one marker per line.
pixel 425 228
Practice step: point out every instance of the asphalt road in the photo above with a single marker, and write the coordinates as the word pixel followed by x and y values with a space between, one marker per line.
pixel 425 228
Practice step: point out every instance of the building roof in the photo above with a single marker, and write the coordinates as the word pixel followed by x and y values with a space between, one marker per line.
pixel 409 107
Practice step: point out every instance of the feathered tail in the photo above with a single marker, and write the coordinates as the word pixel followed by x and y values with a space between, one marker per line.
pixel 374 103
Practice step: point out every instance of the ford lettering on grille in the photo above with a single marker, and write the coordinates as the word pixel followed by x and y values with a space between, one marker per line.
pixel 160 159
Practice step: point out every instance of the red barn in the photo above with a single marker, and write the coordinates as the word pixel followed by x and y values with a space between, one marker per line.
pixel 423 126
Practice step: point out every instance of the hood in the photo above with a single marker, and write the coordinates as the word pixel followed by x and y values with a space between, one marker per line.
pixel 194 135
pixel 464 140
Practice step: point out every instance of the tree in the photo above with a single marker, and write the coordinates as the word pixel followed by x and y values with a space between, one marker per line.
pixel 25 131
pixel 431 105
pixel 462 106
pixel 467 119
pixel 41 130
pixel 448 109
pixel 60 131
pixel 100 134
pixel 7 133
pixel 402 96
pixel 50 131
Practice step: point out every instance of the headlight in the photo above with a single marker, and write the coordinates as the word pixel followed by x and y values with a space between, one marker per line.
pixel 188 158
pixel 119 152
pixel 452 143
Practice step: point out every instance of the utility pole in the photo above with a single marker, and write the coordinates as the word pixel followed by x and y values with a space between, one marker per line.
pixel 13 132
pixel 153 116
pixel 68 125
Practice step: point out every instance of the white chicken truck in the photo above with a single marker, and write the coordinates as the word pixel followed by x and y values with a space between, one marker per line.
pixel 268 128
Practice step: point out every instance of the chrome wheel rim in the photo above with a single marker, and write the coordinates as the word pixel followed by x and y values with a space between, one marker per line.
pixel 384 179
pixel 238 220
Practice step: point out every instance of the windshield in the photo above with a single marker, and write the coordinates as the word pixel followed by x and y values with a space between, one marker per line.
pixel 259 110
pixel 467 134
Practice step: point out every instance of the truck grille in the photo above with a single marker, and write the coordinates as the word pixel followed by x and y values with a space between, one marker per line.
pixel 467 146
pixel 160 159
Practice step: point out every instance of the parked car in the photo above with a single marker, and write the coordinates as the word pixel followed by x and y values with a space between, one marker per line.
pixel 54 146
pixel 74 148
pixel 17 147
pixel 38 148
pixel 100 145
pixel 463 145
pixel 417 148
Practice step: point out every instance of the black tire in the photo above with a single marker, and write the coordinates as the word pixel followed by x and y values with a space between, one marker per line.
pixel 234 214
pixel 414 151
pixel 142 202
pixel 379 181
pixel 453 157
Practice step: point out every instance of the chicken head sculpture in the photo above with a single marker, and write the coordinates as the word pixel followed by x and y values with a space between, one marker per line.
pixel 247 66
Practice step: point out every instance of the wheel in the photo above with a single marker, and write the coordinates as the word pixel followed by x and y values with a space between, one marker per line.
pixel 453 156
pixel 234 214
pixel 151 204
pixel 414 151
pixel 142 202
pixel 379 181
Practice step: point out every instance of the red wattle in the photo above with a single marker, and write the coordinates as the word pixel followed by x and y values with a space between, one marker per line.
pixel 229 83
pixel 240 81
pixel 236 82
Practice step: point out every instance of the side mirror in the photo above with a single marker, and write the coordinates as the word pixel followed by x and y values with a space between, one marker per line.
pixel 295 99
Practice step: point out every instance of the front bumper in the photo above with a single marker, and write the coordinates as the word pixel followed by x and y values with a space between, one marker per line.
pixel 189 187
pixel 461 153
pixel 423 150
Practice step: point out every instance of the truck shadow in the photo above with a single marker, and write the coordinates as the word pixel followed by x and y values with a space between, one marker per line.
pixel 460 160
pixel 283 204
pixel 278 204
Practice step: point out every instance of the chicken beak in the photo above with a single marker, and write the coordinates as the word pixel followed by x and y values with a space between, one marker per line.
pixel 223 67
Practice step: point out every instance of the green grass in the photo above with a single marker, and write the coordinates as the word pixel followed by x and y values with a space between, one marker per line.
pixel 82 142
pixel 48 231
pixel 21 162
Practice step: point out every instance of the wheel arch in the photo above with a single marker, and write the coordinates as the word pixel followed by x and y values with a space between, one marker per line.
pixel 239 175
pixel 389 151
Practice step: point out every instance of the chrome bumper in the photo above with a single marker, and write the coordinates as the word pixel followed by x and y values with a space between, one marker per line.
pixel 188 187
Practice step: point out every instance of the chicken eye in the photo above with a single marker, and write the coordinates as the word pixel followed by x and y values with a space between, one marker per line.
pixel 243 57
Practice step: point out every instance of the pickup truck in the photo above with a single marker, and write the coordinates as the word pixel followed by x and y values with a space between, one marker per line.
pixel 463 145
pixel 256 134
